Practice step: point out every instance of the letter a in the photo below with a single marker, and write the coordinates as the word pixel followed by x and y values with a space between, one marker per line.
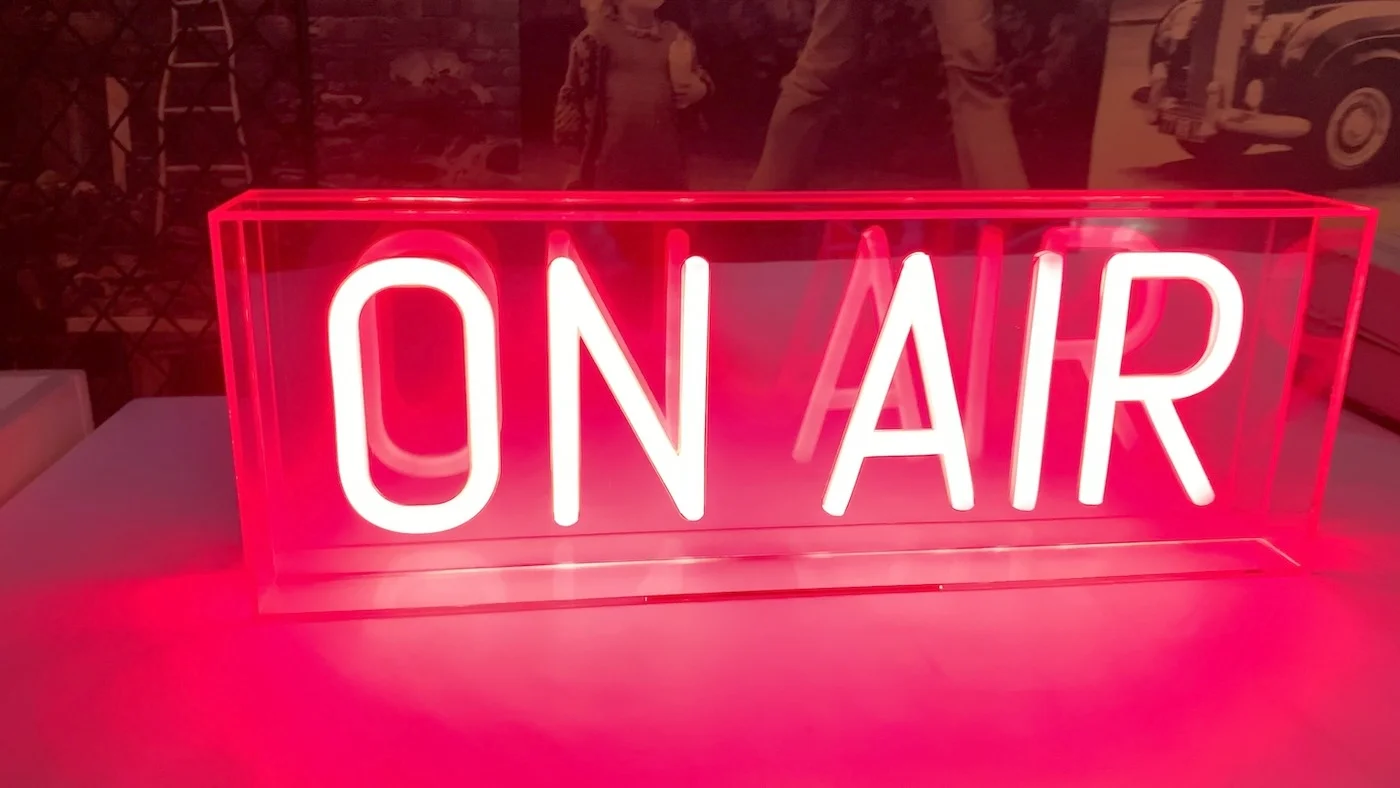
pixel 914 310
pixel 870 275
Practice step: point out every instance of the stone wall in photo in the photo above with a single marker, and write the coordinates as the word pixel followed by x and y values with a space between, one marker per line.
pixel 416 92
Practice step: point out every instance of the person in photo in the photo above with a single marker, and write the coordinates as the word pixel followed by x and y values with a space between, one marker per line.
pixel 988 155
pixel 630 78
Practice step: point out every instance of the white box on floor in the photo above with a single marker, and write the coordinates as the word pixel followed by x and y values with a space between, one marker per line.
pixel 43 414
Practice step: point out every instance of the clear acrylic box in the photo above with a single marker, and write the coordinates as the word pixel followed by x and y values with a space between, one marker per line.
pixel 449 400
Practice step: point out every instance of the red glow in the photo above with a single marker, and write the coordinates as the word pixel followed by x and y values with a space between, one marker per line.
pixel 419 453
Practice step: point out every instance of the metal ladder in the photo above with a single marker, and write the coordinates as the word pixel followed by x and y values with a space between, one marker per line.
pixel 198 73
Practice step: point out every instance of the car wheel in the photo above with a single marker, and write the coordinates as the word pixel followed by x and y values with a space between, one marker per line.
pixel 1218 149
pixel 1358 134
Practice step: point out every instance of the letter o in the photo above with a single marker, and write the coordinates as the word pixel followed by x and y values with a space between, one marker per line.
pixel 436 245
pixel 348 394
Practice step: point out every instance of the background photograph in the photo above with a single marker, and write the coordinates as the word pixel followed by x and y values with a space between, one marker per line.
pixel 463 93
pixel 892 124
pixel 1315 104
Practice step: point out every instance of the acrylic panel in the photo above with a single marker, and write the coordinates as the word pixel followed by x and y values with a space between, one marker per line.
pixel 446 400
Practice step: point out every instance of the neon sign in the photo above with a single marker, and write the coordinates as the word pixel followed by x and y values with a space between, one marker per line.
pixel 535 398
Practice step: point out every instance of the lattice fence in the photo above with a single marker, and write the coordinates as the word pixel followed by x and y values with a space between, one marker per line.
pixel 121 123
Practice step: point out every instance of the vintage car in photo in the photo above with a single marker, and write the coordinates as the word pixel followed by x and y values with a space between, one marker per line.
pixel 1322 78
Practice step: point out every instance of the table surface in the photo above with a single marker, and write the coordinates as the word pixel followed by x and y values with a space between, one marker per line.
pixel 130 657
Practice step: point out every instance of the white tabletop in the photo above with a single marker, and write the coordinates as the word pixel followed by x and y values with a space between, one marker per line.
pixel 130 657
